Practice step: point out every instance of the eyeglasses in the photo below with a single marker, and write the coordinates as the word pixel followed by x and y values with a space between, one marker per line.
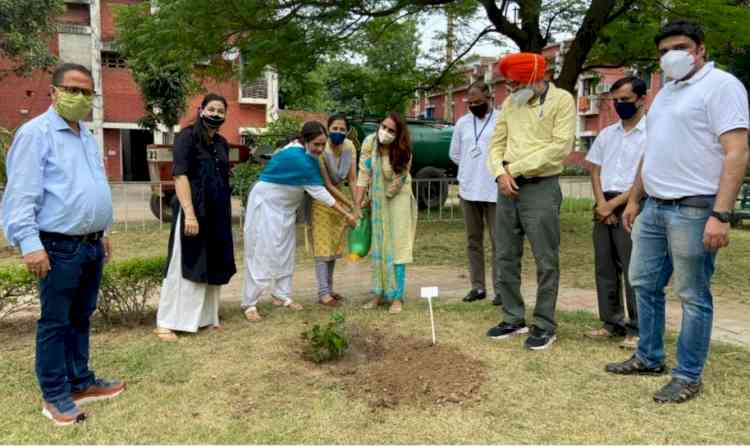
pixel 75 90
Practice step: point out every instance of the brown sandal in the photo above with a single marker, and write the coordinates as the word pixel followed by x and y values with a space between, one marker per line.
pixel 165 334
pixel 289 304
pixel 332 302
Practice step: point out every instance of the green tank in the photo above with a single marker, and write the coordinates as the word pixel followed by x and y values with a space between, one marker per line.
pixel 432 167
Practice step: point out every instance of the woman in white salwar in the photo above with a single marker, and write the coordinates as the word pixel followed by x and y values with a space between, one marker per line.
pixel 270 236
pixel 201 252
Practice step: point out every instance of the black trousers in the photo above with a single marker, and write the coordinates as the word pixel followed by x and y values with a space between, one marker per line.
pixel 612 247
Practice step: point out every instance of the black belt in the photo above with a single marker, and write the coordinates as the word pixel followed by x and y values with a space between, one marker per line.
pixel 609 195
pixel 521 180
pixel 85 238
pixel 691 201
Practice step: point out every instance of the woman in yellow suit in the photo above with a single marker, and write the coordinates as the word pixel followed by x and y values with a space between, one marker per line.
pixel 338 164
pixel 384 166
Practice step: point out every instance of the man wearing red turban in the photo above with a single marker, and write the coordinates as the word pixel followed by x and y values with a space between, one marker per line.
pixel 533 135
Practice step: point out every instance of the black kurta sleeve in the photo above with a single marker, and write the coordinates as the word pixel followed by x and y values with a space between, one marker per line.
pixel 181 153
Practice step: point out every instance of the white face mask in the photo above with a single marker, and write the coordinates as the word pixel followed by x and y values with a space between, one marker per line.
pixel 677 64
pixel 385 137
pixel 522 96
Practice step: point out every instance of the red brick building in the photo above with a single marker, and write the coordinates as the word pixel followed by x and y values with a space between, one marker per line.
pixel 85 35
pixel 595 112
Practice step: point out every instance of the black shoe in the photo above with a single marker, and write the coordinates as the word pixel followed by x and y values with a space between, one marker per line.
pixel 497 301
pixel 634 366
pixel 678 391
pixel 475 295
pixel 539 339
pixel 505 330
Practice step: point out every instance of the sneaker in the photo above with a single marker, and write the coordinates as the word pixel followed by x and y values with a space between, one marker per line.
pixel 101 389
pixel 678 391
pixel 539 339
pixel 475 295
pixel 63 412
pixel 505 330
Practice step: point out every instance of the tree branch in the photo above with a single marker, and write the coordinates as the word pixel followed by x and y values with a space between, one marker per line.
pixel 626 5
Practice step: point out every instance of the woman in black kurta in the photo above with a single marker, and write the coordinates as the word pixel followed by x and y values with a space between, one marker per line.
pixel 201 252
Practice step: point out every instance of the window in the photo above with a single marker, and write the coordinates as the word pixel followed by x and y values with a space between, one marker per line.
pixel 255 91
pixel 113 60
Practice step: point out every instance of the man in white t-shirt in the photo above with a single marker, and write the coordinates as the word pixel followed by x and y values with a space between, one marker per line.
pixel 616 155
pixel 477 188
pixel 695 158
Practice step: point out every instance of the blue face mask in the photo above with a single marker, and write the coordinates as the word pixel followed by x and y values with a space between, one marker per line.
pixel 337 137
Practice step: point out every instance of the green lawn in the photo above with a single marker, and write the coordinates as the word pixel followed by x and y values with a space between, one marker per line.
pixel 249 385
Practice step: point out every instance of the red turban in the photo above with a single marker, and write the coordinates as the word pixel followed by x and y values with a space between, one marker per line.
pixel 525 68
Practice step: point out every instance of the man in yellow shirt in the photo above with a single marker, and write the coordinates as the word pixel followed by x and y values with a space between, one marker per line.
pixel 534 133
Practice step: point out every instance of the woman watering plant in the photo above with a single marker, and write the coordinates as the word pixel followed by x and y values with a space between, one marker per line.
pixel 384 170
pixel 337 165
pixel 270 238
pixel 201 253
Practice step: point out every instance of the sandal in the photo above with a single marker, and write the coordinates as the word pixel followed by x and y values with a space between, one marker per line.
pixel 288 303
pixel 252 315
pixel 372 304
pixel 396 308
pixel 633 366
pixel 165 334
pixel 337 297
pixel 678 391
pixel 332 302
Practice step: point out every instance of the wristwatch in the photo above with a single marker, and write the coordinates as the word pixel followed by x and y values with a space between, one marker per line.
pixel 723 216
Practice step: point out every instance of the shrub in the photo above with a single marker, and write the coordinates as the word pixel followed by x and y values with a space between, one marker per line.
pixel 326 343
pixel 243 177
pixel 5 140
pixel 126 288
pixel 277 131
pixel 18 290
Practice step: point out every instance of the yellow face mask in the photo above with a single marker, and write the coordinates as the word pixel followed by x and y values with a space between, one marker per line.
pixel 73 106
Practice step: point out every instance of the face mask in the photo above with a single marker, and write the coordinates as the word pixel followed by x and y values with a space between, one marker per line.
pixel 479 110
pixel 337 137
pixel 213 121
pixel 626 110
pixel 73 107
pixel 522 96
pixel 384 137
pixel 677 64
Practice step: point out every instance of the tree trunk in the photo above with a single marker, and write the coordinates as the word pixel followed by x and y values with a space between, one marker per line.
pixel 575 58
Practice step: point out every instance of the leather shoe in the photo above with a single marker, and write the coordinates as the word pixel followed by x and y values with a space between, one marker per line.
pixel 633 366
pixel 475 295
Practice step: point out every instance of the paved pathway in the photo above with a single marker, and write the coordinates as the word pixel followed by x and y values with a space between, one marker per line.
pixel 731 322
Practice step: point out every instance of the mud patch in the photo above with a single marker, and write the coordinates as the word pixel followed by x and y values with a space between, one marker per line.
pixel 391 371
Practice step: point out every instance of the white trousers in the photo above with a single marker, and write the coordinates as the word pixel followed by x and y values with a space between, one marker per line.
pixel 185 305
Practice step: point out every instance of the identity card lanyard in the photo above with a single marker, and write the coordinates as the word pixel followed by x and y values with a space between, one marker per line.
pixel 476 152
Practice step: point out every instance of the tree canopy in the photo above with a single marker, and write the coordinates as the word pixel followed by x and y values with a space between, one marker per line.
pixel 25 27
pixel 372 44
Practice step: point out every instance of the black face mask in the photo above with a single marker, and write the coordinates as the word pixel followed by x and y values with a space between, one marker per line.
pixel 626 110
pixel 212 121
pixel 479 110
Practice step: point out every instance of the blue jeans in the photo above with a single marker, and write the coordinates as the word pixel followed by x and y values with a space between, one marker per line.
pixel 667 239
pixel 68 299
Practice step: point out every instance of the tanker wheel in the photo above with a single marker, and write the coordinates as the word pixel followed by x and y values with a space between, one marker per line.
pixel 161 207
pixel 433 193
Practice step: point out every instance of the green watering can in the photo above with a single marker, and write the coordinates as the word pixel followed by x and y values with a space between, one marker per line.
pixel 360 237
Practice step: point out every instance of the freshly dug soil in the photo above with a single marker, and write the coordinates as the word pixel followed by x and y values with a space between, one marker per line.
pixel 389 371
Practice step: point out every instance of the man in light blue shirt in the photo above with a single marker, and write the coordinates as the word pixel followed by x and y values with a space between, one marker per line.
pixel 56 207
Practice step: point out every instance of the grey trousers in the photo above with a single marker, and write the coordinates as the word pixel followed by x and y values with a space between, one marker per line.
pixel 476 216
pixel 612 246
pixel 324 274
pixel 535 215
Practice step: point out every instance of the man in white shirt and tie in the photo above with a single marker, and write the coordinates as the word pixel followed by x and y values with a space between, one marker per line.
pixel 477 188
pixel 616 154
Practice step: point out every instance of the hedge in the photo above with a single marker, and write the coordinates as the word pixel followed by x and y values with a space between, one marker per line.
pixel 126 288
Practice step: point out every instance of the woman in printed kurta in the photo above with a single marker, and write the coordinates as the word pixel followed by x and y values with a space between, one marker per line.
pixel 384 166
pixel 337 165
pixel 270 237
pixel 201 253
